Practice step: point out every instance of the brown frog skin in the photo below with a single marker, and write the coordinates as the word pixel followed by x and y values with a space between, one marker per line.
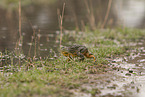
pixel 77 51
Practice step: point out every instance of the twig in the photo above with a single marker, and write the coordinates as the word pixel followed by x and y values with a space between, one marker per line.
pixel 33 37
pixel 90 15
pixel 61 22
pixel 20 27
pixel 107 14
pixel 20 18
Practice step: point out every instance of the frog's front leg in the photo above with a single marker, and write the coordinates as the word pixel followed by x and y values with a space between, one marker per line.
pixel 81 56
pixel 69 58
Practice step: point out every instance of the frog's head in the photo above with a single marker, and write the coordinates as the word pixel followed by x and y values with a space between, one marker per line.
pixel 92 56
pixel 64 49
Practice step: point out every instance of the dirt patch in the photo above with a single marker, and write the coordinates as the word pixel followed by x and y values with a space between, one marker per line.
pixel 125 78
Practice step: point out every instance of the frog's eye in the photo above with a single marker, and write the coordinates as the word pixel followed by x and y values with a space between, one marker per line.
pixel 62 47
pixel 90 54
pixel 65 52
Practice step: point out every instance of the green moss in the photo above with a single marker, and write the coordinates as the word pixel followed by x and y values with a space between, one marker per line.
pixel 95 91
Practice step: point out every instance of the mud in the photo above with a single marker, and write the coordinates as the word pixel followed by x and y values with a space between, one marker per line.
pixel 125 79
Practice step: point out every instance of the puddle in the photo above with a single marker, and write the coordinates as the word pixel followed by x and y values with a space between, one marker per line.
pixel 132 69
pixel 142 60
pixel 142 87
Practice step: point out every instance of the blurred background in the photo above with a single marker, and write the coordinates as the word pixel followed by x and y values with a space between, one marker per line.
pixel 41 17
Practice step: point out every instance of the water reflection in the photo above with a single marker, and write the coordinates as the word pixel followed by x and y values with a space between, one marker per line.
pixel 130 13
pixel 40 21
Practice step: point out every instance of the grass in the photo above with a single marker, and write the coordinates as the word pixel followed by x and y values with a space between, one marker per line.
pixel 57 78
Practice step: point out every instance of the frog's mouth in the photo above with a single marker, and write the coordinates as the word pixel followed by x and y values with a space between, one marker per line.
pixel 90 55
pixel 64 49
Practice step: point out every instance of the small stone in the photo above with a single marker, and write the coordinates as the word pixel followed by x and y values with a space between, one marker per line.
pixel 111 87
pixel 130 71
pixel 132 82
pixel 109 81
pixel 136 64
pixel 137 90
pixel 113 61
pixel 128 74
pixel 114 68
pixel 132 87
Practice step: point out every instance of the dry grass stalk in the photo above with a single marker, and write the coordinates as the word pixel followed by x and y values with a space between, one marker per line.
pixel 20 33
pixel 107 14
pixel 20 19
pixel 90 14
pixel 1 59
pixel 33 37
pixel 60 18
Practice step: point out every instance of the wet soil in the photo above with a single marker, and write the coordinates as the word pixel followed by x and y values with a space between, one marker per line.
pixel 125 78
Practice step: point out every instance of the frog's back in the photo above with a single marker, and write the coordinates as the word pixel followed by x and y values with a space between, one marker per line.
pixel 75 48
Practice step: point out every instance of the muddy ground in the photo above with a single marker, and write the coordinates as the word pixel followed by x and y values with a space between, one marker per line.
pixel 126 78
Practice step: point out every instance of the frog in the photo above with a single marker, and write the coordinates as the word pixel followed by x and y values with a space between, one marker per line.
pixel 77 51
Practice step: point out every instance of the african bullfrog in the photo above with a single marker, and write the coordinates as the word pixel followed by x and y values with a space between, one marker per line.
pixel 76 51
